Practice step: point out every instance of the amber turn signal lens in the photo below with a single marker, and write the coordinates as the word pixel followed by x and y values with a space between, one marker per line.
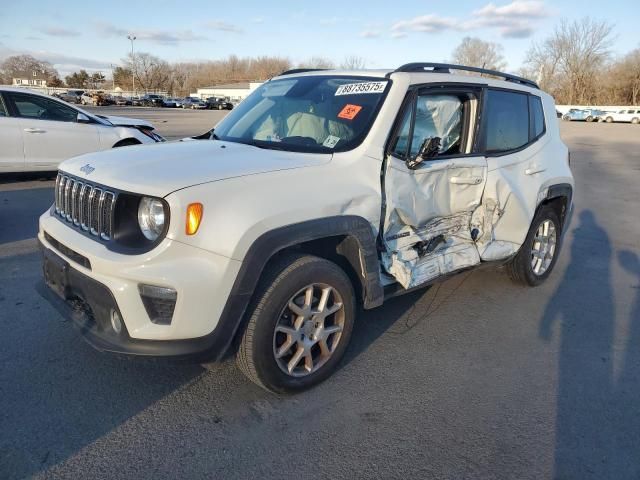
pixel 194 215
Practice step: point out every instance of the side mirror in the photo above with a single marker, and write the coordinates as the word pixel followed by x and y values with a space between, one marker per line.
pixel 82 118
pixel 429 149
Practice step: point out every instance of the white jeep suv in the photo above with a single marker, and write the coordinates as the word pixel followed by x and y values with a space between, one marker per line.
pixel 323 190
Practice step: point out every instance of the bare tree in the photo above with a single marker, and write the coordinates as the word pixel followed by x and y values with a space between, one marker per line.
pixel 317 62
pixel 151 72
pixel 16 64
pixel 474 52
pixel 570 62
pixel 353 62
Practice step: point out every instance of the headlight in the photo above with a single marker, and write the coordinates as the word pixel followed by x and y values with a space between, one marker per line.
pixel 151 217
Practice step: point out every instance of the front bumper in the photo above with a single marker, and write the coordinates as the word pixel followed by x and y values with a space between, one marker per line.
pixel 87 293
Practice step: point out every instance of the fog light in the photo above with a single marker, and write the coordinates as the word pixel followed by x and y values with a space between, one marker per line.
pixel 116 321
pixel 159 302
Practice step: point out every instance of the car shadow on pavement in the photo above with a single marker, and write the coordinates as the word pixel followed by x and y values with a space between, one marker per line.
pixel 597 416
pixel 58 395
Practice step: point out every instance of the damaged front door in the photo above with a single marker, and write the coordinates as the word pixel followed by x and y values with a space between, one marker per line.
pixel 432 184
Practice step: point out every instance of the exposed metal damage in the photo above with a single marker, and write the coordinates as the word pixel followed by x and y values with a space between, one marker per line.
pixel 443 245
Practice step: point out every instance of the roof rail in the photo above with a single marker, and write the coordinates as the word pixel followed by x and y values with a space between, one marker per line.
pixel 447 67
pixel 300 70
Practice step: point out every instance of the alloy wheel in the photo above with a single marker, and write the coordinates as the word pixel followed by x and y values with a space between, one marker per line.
pixel 309 330
pixel 544 247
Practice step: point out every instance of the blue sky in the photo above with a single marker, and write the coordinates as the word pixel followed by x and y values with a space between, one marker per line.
pixel 92 35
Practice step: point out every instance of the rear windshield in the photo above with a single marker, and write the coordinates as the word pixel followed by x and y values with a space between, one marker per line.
pixel 312 113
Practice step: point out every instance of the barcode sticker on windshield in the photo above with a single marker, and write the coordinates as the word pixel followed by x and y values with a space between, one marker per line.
pixel 359 88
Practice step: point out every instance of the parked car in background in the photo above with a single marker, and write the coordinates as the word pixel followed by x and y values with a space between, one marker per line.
pixel 407 178
pixel 177 101
pixel 122 101
pixel 214 103
pixel 37 132
pixel 169 103
pixel 627 115
pixel 136 101
pixel 193 103
pixel 593 114
pixel 152 100
pixel 575 114
pixel 88 99
pixel 71 96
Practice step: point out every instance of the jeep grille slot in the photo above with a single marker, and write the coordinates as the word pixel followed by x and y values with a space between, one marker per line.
pixel 85 206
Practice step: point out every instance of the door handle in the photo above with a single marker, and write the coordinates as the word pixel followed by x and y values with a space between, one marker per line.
pixel 466 180
pixel 532 170
pixel 34 130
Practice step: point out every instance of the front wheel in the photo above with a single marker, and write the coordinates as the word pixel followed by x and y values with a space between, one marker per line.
pixel 589 118
pixel 566 118
pixel 538 254
pixel 635 120
pixel 609 120
pixel 299 326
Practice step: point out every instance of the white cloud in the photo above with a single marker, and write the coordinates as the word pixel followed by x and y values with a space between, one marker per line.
pixel 330 21
pixel 257 20
pixel 222 26
pixel 370 33
pixel 163 37
pixel 425 23
pixel 399 34
pixel 517 19
pixel 65 64
pixel 59 32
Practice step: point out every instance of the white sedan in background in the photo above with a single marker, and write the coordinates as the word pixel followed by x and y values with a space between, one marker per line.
pixel 37 131
pixel 627 115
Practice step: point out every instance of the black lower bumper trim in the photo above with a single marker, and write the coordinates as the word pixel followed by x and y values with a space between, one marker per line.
pixel 89 303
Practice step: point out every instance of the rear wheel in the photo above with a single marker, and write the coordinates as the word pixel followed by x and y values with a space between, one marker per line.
pixel 566 118
pixel 635 120
pixel 299 326
pixel 538 254
pixel 609 120
pixel 589 118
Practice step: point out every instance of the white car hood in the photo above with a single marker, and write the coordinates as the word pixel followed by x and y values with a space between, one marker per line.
pixel 162 168
pixel 127 122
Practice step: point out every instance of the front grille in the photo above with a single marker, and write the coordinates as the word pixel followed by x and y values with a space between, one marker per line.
pixel 85 206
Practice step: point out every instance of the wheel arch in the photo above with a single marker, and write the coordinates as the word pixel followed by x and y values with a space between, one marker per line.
pixel 559 197
pixel 347 240
pixel 126 141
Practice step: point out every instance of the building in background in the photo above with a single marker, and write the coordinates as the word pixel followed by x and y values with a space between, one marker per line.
pixel 32 78
pixel 232 91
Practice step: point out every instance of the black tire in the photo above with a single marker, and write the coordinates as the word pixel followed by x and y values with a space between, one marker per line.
pixel 589 119
pixel 609 120
pixel 279 283
pixel 566 118
pixel 635 120
pixel 519 268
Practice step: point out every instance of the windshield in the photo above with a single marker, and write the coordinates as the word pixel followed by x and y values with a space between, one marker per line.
pixel 313 113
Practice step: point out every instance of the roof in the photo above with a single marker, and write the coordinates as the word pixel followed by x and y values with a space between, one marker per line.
pixel 417 77
pixel 40 75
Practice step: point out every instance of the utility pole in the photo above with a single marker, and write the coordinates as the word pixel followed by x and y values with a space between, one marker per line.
pixel 133 63
pixel 113 79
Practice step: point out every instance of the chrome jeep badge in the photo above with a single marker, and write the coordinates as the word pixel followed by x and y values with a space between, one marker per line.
pixel 87 169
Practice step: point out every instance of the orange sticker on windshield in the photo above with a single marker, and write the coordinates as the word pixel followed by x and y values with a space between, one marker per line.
pixel 349 111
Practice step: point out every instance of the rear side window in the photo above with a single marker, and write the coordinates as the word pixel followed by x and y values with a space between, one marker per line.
pixel 507 121
pixel 537 116
pixel 3 111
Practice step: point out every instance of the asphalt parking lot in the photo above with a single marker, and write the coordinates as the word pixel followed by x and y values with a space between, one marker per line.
pixel 474 378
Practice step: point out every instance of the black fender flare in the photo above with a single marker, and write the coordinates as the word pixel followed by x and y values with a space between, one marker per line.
pixel 270 243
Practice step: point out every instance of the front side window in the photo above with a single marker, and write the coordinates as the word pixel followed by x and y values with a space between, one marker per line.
pixel 3 111
pixel 312 113
pixel 436 116
pixel 506 119
pixel 32 106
